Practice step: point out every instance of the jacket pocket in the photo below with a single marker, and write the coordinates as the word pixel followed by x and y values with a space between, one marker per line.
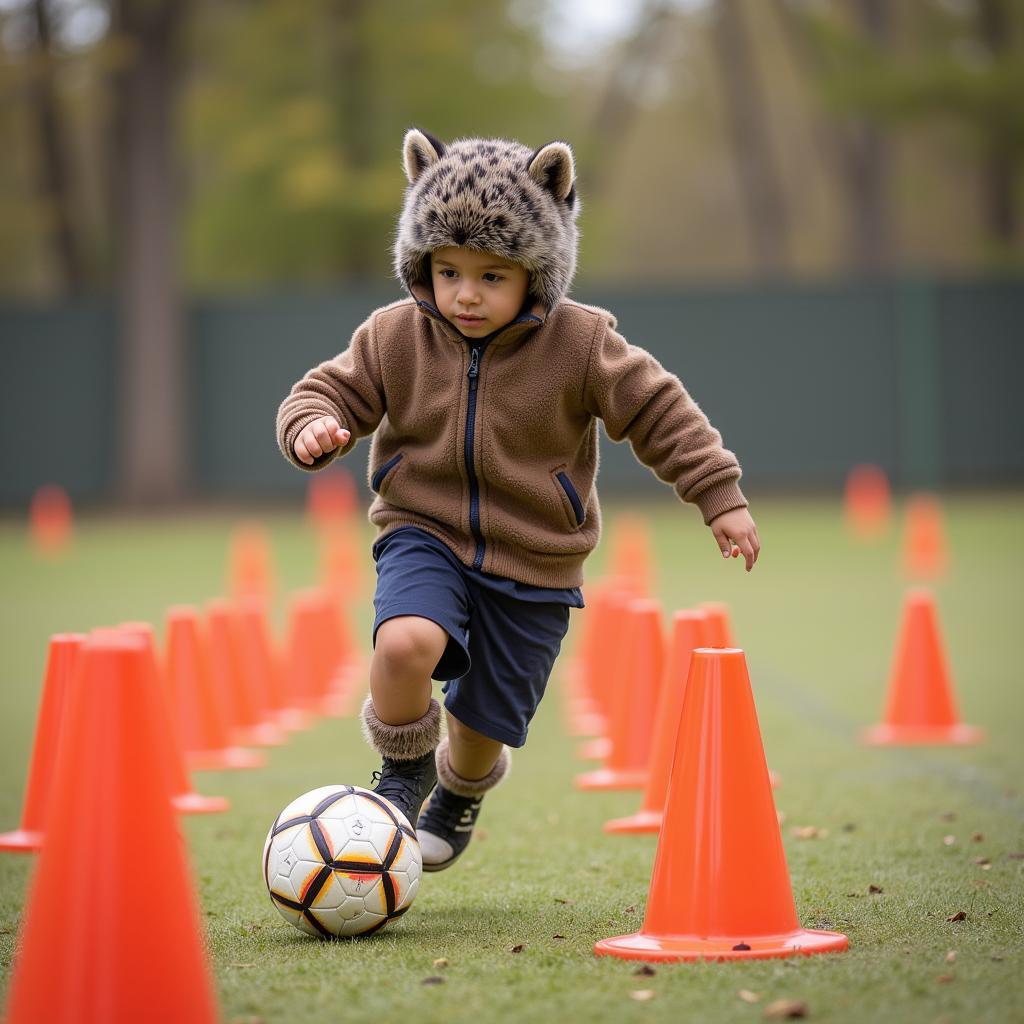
pixel 378 478
pixel 570 499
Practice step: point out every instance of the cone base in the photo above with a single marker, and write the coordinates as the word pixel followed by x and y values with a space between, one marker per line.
pixel 642 821
pixel 226 759
pixel 196 803
pixel 612 778
pixel 957 735
pixel 20 841
pixel 803 942
pixel 597 749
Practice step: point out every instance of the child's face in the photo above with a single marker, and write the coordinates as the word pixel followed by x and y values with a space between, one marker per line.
pixel 477 291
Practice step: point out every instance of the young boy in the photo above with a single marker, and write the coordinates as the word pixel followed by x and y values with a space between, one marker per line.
pixel 483 392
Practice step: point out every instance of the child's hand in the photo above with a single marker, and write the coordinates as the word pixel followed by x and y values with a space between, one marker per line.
pixel 737 528
pixel 318 438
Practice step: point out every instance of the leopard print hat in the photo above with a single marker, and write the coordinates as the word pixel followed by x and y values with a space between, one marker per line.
pixel 492 195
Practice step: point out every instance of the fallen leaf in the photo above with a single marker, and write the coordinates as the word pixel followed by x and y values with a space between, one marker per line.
pixel 948 816
pixel 747 996
pixel 804 831
pixel 741 947
pixel 630 910
pixel 1016 855
pixel 433 980
pixel 642 995
pixel 960 915
pixel 944 979
pixel 948 840
pixel 646 971
pixel 977 837
pixel 853 895
pixel 996 959
pixel 519 948
pixel 785 1009
pixel 441 961
pixel 558 936
pixel 241 965
pixel 982 861
pixel 875 889
pixel 566 902
pixel 850 826
pixel 951 957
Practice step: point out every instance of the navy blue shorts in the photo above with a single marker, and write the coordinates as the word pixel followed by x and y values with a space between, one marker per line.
pixel 503 636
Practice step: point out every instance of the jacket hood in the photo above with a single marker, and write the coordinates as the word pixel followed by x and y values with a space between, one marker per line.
pixel 492 195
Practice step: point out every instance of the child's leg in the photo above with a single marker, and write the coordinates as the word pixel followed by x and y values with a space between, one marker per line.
pixel 468 765
pixel 401 720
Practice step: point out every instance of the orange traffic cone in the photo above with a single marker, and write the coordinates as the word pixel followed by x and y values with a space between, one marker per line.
pixel 201 720
pixel 249 719
pixel 718 623
pixel 630 558
pixel 60 662
pixel 340 563
pixel 720 889
pixel 867 502
pixel 689 631
pixel 925 555
pixel 183 796
pixel 331 499
pixel 249 563
pixel 584 711
pixel 110 837
pixel 921 707
pixel 49 520
pixel 638 668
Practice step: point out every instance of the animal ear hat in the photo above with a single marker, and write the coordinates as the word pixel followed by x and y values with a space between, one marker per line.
pixel 492 195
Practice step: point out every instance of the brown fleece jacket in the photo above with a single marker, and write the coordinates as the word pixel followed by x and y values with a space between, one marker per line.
pixel 509 489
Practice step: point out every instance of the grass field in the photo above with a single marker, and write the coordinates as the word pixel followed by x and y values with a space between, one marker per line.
pixel 818 619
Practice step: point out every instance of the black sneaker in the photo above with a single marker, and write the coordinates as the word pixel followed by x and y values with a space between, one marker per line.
pixel 406 783
pixel 445 827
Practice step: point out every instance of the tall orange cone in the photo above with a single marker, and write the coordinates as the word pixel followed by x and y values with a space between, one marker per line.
pixel 720 889
pixel 50 520
pixel 184 798
pixel 867 502
pixel 201 720
pixel 250 573
pixel 331 499
pixel 249 719
pixel 719 626
pixel 689 631
pixel 639 667
pixel 60 662
pixel 340 563
pixel 584 714
pixel 925 555
pixel 630 557
pixel 112 870
pixel 921 707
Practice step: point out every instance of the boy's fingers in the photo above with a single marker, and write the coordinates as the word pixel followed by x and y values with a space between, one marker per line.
pixel 302 452
pixel 723 542
pixel 323 437
pixel 749 554
pixel 340 435
pixel 312 445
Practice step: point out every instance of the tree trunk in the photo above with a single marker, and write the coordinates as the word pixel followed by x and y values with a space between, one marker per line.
pixel 761 190
pixel 1000 171
pixel 53 178
pixel 151 422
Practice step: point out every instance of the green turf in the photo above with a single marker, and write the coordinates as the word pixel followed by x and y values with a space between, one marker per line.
pixel 818 619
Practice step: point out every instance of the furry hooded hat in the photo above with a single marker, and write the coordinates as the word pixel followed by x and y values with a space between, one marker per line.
pixel 491 195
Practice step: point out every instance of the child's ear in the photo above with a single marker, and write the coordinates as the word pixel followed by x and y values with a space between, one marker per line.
pixel 553 168
pixel 419 151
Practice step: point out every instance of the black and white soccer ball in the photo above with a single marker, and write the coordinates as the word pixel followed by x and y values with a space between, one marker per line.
pixel 341 861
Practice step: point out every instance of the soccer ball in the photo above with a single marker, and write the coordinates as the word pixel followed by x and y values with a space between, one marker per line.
pixel 341 861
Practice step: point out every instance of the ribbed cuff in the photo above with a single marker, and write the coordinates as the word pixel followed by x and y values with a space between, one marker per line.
pixel 470 787
pixel 719 498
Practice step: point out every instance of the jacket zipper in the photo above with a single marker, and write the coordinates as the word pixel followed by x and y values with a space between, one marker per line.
pixel 474 491
pixel 476 354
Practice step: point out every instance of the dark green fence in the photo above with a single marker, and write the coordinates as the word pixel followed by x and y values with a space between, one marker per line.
pixel 921 377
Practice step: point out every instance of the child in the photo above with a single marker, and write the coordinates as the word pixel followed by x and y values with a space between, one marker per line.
pixel 483 392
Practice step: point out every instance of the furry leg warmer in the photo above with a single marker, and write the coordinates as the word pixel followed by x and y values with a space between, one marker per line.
pixel 402 742
pixel 470 787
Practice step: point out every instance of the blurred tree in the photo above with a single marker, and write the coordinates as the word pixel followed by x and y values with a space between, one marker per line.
pixel 151 432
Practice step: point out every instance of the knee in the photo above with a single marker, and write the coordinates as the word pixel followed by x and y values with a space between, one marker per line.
pixel 466 738
pixel 409 644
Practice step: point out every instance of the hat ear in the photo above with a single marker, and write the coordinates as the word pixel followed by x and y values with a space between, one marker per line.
pixel 419 151
pixel 553 168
